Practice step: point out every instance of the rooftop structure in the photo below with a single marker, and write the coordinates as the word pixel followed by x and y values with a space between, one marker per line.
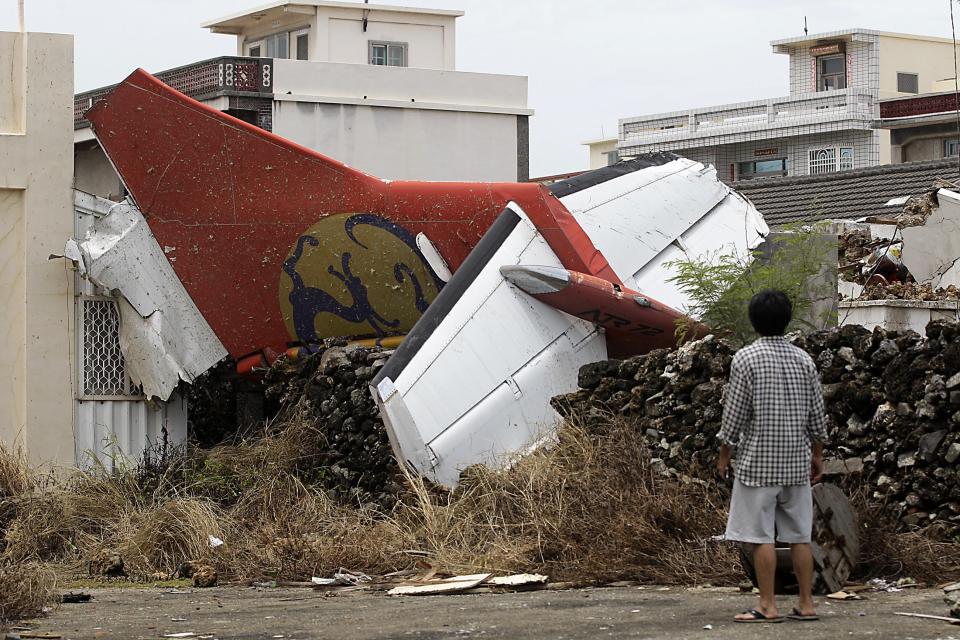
pixel 825 124
pixel 845 195
pixel 351 32
pixel 373 86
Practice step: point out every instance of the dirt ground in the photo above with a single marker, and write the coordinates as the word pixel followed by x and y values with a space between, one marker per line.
pixel 627 612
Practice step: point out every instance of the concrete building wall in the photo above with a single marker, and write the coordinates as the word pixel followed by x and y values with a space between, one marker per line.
pixel 406 123
pixel 920 143
pixel 430 39
pixel 600 151
pixel 93 172
pixel 417 88
pixel 277 24
pixel 36 217
pixel 931 60
pixel 406 144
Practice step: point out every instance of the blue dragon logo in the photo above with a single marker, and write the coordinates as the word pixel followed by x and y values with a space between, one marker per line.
pixel 403 281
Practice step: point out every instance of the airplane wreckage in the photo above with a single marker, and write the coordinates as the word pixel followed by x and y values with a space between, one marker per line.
pixel 244 243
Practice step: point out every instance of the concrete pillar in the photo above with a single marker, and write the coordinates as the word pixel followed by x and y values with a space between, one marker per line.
pixel 36 217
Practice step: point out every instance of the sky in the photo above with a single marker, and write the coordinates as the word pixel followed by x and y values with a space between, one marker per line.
pixel 589 62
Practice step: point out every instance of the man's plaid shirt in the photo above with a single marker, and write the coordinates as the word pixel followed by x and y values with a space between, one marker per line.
pixel 773 410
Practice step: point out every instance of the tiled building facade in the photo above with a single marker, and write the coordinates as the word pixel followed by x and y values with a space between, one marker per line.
pixel 826 124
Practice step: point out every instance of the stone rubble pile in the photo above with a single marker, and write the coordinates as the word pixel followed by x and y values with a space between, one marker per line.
pixel 853 246
pixel 893 404
pixel 345 446
pixel 909 291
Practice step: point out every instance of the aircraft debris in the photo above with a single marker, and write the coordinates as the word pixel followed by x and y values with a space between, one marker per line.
pixel 163 336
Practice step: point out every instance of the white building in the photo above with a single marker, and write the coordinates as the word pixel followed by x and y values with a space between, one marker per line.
pixel 373 86
pixel 825 124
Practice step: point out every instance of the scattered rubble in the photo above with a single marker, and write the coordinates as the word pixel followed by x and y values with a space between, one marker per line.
pixel 205 576
pixel 106 563
pixel 909 291
pixel 893 401
pixel 951 595
pixel 854 246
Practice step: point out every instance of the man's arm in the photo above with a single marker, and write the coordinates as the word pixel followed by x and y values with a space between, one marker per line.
pixel 737 412
pixel 816 462
pixel 816 425
pixel 723 463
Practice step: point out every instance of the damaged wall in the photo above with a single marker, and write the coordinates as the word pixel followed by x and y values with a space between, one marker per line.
pixel 36 172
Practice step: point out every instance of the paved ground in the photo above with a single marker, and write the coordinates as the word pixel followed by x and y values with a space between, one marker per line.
pixel 628 612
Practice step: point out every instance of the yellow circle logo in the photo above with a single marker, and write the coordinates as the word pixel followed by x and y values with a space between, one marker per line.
pixel 354 275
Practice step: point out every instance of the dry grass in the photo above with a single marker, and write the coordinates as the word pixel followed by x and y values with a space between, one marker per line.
pixel 924 555
pixel 588 508
pixel 15 477
pixel 24 590
pixel 284 530
pixel 158 537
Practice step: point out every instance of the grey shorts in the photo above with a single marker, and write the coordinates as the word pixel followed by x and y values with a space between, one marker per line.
pixel 758 514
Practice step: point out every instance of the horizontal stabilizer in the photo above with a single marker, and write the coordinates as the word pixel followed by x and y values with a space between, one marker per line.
pixel 634 323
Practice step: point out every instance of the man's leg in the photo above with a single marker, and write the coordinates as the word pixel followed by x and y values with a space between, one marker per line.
pixel 765 564
pixel 752 521
pixel 794 518
pixel 803 567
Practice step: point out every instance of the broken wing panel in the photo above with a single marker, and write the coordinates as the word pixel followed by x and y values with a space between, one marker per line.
pixel 733 227
pixel 633 217
pixel 634 323
pixel 163 336
pixel 472 382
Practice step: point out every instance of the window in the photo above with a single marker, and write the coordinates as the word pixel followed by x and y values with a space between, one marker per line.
pixel 762 168
pixel 277 45
pixel 908 83
pixel 951 148
pixel 103 371
pixel 301 45
pixel 831 72
pixel 613 157
pixel 828 160
pixel 272 46
pixel 390 54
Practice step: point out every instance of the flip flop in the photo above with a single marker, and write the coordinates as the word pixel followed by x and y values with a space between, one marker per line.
pixel 758 617
pixel 796 615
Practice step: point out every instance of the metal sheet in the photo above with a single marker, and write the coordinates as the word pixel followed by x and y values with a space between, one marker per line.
pixel 478 389
pixel 733 227
pixel 116 433
pixel 163 337
pixel 645 219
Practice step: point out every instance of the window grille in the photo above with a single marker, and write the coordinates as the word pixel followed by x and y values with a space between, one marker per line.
pixel 103 370
pixel 829 160
pixel 822 161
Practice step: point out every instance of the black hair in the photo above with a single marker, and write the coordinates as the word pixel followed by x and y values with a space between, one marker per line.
pixel 770 312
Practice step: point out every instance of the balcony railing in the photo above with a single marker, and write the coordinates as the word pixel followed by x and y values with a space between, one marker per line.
pixel 761 114
pixel 205 79
pixel 918 105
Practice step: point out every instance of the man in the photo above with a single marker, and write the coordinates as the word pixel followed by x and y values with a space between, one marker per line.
pixel 774 416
